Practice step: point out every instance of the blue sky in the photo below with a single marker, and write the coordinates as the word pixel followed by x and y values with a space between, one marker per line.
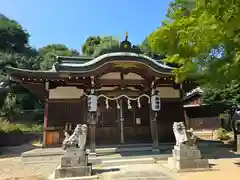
pixel 70 22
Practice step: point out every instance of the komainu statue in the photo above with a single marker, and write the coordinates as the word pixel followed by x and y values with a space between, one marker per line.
pixel 77 139
pixel 182 135
pixel 191 137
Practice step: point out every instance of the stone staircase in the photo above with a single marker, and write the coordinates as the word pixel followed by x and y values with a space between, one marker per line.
pixel 112 155
pixel 104 155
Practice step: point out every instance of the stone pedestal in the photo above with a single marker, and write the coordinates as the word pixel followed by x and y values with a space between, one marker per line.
pixel 74 164
pixel 187 157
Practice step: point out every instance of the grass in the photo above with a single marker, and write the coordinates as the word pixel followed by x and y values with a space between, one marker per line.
pixel 7 126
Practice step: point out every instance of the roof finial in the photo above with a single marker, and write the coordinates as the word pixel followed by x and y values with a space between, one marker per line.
pixel 126 36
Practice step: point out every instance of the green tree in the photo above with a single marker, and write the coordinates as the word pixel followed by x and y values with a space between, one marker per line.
pixel 203 37
pixel 90 44
pixel 106 43
pixel 229 96
pixel 20 61
pixel 146 48
pixel 15 51
pixel 17 97
pixel 96 45
pixel 12 36
pixel 48 54
pixel 201 34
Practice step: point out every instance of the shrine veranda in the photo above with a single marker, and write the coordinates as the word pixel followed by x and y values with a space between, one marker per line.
pixel 123 83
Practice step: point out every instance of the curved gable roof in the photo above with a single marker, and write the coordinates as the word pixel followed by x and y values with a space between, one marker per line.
pixel 68 64
pixel 80 65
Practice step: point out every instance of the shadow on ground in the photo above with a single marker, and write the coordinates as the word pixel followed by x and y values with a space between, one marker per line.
pixel 212 165
pixel 210 149
pixel 100 171
pixel 237 164
pixel 15 151
pixel 218 150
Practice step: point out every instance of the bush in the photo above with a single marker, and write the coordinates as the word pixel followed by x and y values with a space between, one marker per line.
pixel 6 126
pixel 12 134
pixel 35 128
pixel 222 134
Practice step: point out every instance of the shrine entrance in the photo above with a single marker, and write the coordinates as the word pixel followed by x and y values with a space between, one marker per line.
pixel 136 124
pixel 123 121
pixel 107 131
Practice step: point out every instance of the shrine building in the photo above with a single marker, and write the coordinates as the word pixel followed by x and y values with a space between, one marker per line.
pixel 122 82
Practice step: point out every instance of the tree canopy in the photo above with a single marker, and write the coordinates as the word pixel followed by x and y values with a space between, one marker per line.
pixel 13 37
pixel 15 50
pixel 48 54
pixel 202 36
pixel 95 45
pixel 90 44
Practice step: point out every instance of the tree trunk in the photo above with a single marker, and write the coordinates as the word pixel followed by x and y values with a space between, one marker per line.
pixel 229 123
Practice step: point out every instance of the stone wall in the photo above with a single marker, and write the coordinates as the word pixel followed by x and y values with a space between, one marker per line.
pixel 18 138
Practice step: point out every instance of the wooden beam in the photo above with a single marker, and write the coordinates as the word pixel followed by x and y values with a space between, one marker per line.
pixel 77 100
pixel 159 81
pixel 118 82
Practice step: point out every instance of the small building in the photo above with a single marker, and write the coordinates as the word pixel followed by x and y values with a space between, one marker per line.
pixel 199 116
pixel 123 80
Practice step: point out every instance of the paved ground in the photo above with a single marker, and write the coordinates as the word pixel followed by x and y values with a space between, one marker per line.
pixel 224 169
pixel 12 168
pixel 226 165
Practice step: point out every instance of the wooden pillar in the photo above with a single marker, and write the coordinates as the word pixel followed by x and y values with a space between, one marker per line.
pixel 121 114
pixel 153 125
pixel 45 123
pixel 154 128
pixel 93 121
pixel 92 133
pixel 121 122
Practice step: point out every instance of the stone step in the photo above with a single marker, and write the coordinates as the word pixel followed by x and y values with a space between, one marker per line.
pixel 96 160
pixel 128 145
pixel 55 155
pixel 122 149
pixel 128 161
pixel 59 152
